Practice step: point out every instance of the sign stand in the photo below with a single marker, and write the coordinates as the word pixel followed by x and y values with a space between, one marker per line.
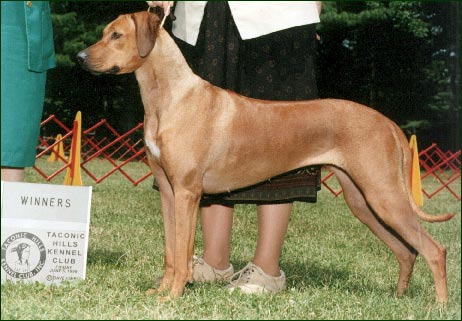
pixel 44 232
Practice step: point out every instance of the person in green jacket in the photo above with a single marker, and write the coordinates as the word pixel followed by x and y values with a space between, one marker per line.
pixel 27 54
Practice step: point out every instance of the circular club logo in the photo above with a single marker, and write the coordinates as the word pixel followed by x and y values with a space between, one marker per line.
pixel 23 255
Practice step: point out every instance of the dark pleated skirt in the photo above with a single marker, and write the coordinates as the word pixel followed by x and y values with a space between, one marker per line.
pixel 277 66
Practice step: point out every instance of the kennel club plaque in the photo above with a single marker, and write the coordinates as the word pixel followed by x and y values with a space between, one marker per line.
pixel 44 232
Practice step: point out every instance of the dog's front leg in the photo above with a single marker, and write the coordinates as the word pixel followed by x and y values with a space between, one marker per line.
pixel 186 204
pixel 168 216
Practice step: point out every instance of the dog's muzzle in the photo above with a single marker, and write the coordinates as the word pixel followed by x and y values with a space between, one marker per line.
pixel 82 58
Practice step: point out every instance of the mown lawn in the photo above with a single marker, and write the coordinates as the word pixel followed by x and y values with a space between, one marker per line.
pixel 336 268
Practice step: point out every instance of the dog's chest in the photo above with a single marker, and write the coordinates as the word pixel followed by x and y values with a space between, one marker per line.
pixel 153 148
pixel 151 138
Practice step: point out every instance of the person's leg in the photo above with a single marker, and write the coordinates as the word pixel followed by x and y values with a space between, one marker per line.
pixel 263 274
pixel 273 221
pixel 13 174
pixel 217 221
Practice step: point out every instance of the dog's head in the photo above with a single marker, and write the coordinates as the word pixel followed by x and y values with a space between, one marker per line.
pixel 125 44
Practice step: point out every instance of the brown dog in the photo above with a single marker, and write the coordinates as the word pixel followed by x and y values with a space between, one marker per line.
pixel 201 139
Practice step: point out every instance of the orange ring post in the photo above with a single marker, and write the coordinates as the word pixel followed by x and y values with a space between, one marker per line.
pixel 416 182
pixel 73 174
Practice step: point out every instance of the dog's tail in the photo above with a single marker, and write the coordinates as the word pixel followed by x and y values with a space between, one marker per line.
pixel 407 164
pixel 431 218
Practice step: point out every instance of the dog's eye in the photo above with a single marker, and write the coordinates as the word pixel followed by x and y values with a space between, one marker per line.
pixel 115 35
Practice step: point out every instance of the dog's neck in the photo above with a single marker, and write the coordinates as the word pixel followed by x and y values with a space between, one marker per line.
pixel 164 75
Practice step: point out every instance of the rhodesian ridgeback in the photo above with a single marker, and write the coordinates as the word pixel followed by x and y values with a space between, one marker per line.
pixel 203 139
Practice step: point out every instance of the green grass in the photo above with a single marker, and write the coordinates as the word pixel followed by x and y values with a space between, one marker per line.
pixel 335 267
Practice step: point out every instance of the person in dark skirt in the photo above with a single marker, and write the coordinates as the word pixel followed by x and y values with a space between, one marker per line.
pixel 263 50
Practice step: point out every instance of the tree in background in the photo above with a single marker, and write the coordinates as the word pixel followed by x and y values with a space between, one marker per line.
pixel 401 58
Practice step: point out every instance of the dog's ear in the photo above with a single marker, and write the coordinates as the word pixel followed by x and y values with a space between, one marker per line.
pixel 147 26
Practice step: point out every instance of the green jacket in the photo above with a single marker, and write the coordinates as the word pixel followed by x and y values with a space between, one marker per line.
pixel 36 23
pixel 39 35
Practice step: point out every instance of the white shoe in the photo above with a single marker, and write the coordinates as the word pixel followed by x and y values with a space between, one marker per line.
pixel 252 279
pixel 203 272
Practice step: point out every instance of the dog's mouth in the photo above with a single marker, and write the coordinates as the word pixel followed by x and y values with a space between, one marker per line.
pixel 82 58
pixel 112 71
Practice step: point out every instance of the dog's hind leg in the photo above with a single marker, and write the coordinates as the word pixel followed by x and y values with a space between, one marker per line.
pixel 191 245
pixel 394 209
pixel 405 254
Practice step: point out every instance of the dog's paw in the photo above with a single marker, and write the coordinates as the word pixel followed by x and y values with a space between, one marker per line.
pixel 150 292
pixel 164 298
pixel 164 286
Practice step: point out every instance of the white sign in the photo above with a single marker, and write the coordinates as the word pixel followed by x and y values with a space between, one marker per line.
pixel 45 231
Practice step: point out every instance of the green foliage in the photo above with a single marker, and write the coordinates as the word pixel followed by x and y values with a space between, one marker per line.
pixel 68 40
pixel 408 16
pixel 414 125
pixel 390 56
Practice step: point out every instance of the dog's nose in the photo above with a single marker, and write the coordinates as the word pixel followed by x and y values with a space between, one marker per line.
pixel 82 57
